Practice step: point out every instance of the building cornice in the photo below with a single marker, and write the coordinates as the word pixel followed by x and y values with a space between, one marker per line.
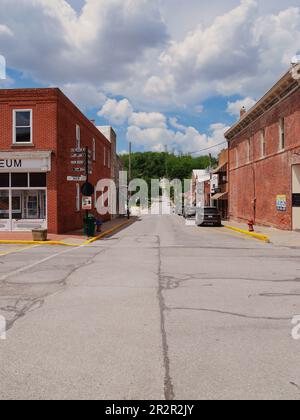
pixel 283 88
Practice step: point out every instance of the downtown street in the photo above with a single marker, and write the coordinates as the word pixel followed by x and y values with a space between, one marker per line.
pixel 160 310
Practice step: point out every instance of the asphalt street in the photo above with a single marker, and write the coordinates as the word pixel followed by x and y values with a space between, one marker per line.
pixel 161 310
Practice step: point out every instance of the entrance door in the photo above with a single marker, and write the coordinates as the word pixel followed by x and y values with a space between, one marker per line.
pixel 32 205
pixel 296 196
pixel 4 211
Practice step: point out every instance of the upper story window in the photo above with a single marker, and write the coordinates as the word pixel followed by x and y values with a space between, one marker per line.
pixel 104 156
pixel 22 133
pixel 281 133
pixel 263 143
pixel 78 135
pixel 108 159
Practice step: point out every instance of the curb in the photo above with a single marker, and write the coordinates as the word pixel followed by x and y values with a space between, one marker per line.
pixel 107 233
pixel 57 243
pixel 258 236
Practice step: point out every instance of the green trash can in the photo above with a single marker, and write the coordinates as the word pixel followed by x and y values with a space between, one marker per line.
pixel 89 226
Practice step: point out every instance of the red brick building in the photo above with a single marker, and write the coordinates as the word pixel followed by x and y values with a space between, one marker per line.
pixel 264 158
pixel 39 127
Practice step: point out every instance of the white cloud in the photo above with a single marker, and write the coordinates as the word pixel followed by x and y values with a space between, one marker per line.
pixel 174 123
pixel 116 112
pixel 99 44
pixel 148 120
pixel 234 108
pixel 240 52
pixel 4 30
pixel 85 96
pixel 188 140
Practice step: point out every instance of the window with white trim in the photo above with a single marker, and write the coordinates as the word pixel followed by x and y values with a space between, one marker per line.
pixel 78 136
pixel 281 133
pixel 22 121
pixel 77 197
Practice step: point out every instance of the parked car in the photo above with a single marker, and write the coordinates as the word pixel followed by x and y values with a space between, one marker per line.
pixel 189 212
pixel 208 216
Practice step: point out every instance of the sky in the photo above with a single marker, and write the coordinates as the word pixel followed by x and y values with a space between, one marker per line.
pixel 164 73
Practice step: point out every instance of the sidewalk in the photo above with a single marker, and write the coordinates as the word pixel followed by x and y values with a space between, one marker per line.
pixel 277 237
pixel 72 238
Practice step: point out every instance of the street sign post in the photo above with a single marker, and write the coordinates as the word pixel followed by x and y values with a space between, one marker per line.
pixel 81 161
pixel 76 178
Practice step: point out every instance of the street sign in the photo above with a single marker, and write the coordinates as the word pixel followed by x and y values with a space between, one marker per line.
pixel 77 156
pixel 77 162
pixel 76 178
pixel 80 150
pixel 78 170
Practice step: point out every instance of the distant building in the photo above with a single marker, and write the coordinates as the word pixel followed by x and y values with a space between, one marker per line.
pixel 264 158
pixel 199 191
pixel 219 185
pixel 113 160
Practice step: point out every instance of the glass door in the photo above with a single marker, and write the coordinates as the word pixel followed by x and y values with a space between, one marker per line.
pixel 32 205
pixel 4 210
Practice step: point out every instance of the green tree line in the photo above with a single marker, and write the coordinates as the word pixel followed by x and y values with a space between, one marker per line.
pixel 155 165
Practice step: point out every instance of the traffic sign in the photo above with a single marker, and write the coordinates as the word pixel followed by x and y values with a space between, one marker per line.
pixel 87 189
pixel 77 156
pixel 79 150
pixel 77 178
pixel 77 162
pixel 78 170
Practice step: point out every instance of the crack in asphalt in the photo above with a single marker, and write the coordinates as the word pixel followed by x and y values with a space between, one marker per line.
pixel 264 318
pixel 36 303
pixel 168 384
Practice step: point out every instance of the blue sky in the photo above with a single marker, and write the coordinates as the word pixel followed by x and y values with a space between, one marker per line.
pixel 132 64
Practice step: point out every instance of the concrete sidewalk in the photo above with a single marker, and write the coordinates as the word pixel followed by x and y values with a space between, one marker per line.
pixel 74 238
pixel 277 237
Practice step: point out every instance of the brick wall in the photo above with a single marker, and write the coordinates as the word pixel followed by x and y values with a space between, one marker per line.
pixel 68 117
pixel 54 128
pixel 252 175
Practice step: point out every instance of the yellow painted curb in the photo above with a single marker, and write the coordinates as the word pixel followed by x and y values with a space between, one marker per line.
pixel 107 233
pixel 12 242
pixel 56 243
pixel 258 236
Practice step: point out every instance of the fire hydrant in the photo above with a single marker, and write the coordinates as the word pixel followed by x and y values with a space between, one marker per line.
pixel 251 225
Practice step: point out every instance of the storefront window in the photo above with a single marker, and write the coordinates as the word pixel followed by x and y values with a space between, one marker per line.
pixel 38 180
pixel 4 180
pixel 19 180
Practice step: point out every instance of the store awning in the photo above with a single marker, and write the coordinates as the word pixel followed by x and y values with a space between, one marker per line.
pixel 221 168
pixel 220 196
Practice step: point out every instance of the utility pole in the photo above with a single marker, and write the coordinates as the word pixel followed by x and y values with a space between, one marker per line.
pixel 87 174
pixel 210 174
pixel 129 179
pixel 129 162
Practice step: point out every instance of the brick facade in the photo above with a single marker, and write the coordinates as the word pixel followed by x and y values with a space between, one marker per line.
pixel 54 120
pixel 259 169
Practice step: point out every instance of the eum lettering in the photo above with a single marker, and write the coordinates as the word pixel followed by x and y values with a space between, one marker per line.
pixel 10 163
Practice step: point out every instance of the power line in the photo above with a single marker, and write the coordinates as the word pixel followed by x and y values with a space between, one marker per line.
pixel 208 148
